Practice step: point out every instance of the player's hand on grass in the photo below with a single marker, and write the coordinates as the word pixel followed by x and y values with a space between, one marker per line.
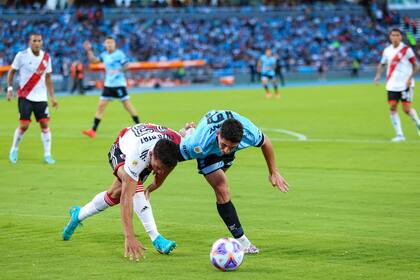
pixel 9 95
pixel 87 46
pixel 278 181
pixel 133 249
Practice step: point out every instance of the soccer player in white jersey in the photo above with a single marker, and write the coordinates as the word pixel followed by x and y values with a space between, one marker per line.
pixel 401 68
pixel 137 151
pixel 116 64
pixel 34 66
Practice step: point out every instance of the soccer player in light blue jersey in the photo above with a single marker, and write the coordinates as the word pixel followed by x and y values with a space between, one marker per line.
pixel 267 68
pixel 213 143
pixel 116 64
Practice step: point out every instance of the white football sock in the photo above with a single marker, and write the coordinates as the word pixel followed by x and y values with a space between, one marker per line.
pixel 46 140
pixel 17 137
pixel 414 117
pixel 144 211
pixel 396 123
pixel 244 241
pixel 95 206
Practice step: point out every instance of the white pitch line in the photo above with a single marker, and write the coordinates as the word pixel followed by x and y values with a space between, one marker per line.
pixel 299 136
pixel 360 141
pixel 302 137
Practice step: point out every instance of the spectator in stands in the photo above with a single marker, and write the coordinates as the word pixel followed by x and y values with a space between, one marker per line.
pixel 355 67
pixel 225 43
pixel 65 71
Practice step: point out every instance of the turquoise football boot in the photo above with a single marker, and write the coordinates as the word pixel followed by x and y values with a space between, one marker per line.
pixel 49 160
pixel 73 223
pixel 13 156
pixel 163 245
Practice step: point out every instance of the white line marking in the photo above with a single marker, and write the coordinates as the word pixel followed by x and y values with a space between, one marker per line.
pixel 299 136
pixel 361 141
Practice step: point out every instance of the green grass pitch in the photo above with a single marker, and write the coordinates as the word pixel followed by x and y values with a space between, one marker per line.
pixel 353 211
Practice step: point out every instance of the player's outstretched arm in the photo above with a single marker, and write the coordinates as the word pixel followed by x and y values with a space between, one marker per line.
pixel 10 76
pixel 50 89
pixel 91 56
pixel 274 176
pixel 132 246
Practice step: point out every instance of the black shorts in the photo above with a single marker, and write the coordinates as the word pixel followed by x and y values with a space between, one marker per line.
pixel 266 76
pixel 405 96
pixel 213 162
pixel 26 107
pixel 110 93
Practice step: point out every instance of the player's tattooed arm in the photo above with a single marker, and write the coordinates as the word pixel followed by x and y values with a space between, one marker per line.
pixel 132 247
pixel 10 76
pixel 50 89
pixel 274 175
pixel 91 56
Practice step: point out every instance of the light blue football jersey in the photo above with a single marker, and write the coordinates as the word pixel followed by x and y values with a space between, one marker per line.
pixel 203 141
pixel 114 63
pixel 268 65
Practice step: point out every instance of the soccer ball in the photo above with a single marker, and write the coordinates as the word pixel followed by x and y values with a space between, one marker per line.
pixel 226 254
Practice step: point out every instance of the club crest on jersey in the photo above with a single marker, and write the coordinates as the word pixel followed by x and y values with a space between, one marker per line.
pixel 198 149
pixel 134 163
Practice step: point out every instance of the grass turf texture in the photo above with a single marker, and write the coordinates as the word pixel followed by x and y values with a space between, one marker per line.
pixel 352 212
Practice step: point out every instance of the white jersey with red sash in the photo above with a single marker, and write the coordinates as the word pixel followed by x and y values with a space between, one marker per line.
pixel 32 70
pixel 136 142
pixel 399 61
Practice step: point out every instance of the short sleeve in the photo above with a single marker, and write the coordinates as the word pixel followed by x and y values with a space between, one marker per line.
pixel 101 57
pixel 383 58
pixel 253 136
pixel 411 56
pixel 123 58
pixel 49 66
pixel 16 62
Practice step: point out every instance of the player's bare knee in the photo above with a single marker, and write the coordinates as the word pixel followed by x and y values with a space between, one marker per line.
pixel 43 125
pixel 24 127
pixel 406 108
pixel 222 193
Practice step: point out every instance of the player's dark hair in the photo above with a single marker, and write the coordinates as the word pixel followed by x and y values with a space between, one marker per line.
pixel 109 37
pixel 167 152
pixel 232 130
pixel 395 29
pixel 34 33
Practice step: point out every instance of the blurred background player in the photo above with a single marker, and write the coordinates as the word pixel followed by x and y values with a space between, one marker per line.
pixel 34 66
pixel 401 69
pixel 136 152
pixel 213 143
pixel 115 63
pixel 77 73
pixel 267 67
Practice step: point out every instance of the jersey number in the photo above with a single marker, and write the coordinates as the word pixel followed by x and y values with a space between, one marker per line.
pixel 219 117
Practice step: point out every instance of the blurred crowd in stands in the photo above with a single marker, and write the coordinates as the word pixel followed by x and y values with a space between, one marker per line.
pixel 300 42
